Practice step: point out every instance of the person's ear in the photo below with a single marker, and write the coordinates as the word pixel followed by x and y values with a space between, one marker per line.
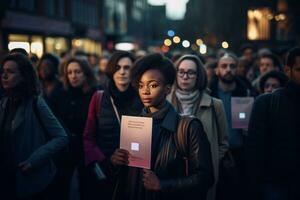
pixel 288 71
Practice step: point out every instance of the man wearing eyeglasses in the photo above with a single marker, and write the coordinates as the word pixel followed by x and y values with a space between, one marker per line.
pixel 224 86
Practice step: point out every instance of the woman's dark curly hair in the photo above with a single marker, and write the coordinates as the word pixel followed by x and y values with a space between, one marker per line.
pixel 280 76
pixel 30 85
pixel 153 61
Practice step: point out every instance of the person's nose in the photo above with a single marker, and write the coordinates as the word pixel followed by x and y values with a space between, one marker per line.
pixel 122 70
pixel 146 90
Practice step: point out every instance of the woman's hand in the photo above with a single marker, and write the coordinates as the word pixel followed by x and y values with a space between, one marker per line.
pixel 151 181
pixel 120 157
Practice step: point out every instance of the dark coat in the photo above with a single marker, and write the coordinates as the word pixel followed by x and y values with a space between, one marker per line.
pixel 30 144
pixel 272 147
pixel 170 168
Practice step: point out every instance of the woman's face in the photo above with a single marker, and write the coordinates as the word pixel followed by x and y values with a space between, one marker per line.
pixel 10 75
pixel 152 90
pixel 46 70
pixel 187 75
pixel 75 74
pixel 122 76
pixel 271 84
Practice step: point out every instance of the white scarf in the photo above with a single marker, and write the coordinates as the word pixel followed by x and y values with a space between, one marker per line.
pixel 187 100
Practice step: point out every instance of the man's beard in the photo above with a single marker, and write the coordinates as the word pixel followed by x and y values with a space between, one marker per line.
pixel 227 80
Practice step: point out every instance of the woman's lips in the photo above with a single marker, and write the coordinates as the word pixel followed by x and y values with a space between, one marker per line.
pixel 146 100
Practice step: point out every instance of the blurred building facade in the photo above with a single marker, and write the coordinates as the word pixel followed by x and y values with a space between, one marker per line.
pixel 51 25
pixel 92 25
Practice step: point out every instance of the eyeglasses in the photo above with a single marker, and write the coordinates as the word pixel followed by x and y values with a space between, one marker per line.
pixel 189 73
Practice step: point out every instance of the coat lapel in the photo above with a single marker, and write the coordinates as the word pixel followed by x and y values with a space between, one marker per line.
pixel 20 116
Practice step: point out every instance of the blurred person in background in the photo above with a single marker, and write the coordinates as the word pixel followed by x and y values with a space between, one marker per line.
pixel 243 68
pixel 225 86
pixel 248 52
pixel 48 74
pixel 271 81
pixel 93 60
pixel 102 129
pixel 102 77
pixel 266 63
pixel 210 69
pixel 19 50
pixel 190 97
pixel 34 60
pixel 30 134
pixel 71 108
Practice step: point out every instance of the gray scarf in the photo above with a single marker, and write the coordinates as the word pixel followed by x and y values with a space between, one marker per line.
pixel 188 100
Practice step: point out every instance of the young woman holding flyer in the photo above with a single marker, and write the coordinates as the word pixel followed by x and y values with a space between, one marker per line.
pixel 181 164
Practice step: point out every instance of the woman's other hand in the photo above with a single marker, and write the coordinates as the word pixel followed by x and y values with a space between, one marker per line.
pixel 151 181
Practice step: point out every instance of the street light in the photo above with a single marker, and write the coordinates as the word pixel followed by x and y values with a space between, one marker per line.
pixel 156 2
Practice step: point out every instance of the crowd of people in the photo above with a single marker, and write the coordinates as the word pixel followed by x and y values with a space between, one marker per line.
pixel 60 121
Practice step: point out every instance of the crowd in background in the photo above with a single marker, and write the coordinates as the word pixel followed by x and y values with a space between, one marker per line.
pixel 77 101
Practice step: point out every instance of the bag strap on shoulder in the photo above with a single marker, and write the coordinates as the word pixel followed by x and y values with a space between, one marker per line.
pixel 99 95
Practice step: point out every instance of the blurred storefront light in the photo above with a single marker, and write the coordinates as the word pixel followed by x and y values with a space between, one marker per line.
pixel 259 23
pixel 31 44
pixel 56 44
pixel 176 9
pixel 23 45
pixel 156 2
pixel 165 49
pixel 203 49
pixel 176 39
pixel 199 42
pixel 167 42
pixel 225 45
pixel 186 44
pixel 171 33
pixel 86 45
pixel 124 46
pixel 194 47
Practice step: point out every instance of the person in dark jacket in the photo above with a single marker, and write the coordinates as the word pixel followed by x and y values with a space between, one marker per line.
pixel 272 151
pixel 225 86
pixel 48 74
pixel 154 76
pixel 30 134
pixel 71 107
pixel 102 130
